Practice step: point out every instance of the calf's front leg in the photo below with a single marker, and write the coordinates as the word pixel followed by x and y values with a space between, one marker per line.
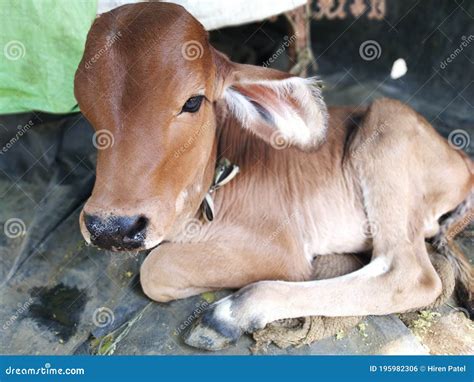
pixel 174 271
pixel 179 270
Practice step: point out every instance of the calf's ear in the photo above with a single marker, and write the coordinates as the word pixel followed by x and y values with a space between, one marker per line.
pixel 281 109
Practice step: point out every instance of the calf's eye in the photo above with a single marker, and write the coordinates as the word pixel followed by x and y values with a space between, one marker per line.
pixel 193 104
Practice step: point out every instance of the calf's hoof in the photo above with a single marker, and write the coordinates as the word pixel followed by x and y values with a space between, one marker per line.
pixel 211 334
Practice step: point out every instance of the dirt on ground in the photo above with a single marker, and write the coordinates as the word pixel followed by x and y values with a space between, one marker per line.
pixel 447 330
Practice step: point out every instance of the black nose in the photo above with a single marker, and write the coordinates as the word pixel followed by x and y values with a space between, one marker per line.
pixel 117 232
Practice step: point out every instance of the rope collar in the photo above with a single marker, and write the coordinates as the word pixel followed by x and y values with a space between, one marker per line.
pixel 225 172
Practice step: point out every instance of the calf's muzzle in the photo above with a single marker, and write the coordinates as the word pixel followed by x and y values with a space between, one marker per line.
pixel 117 232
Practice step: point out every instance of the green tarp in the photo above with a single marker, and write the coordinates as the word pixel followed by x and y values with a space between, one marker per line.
pixel 41 45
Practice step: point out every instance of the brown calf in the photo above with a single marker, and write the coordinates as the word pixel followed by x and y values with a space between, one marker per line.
pixel 312 181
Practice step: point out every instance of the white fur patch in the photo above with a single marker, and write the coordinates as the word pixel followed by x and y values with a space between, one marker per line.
pixel 223 310
pixel 152 243
pixel 375 268
pixel 179 204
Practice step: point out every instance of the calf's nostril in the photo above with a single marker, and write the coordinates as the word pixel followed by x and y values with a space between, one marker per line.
pixel 136 232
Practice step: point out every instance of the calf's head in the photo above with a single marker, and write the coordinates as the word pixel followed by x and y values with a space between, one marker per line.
pixel 151 85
